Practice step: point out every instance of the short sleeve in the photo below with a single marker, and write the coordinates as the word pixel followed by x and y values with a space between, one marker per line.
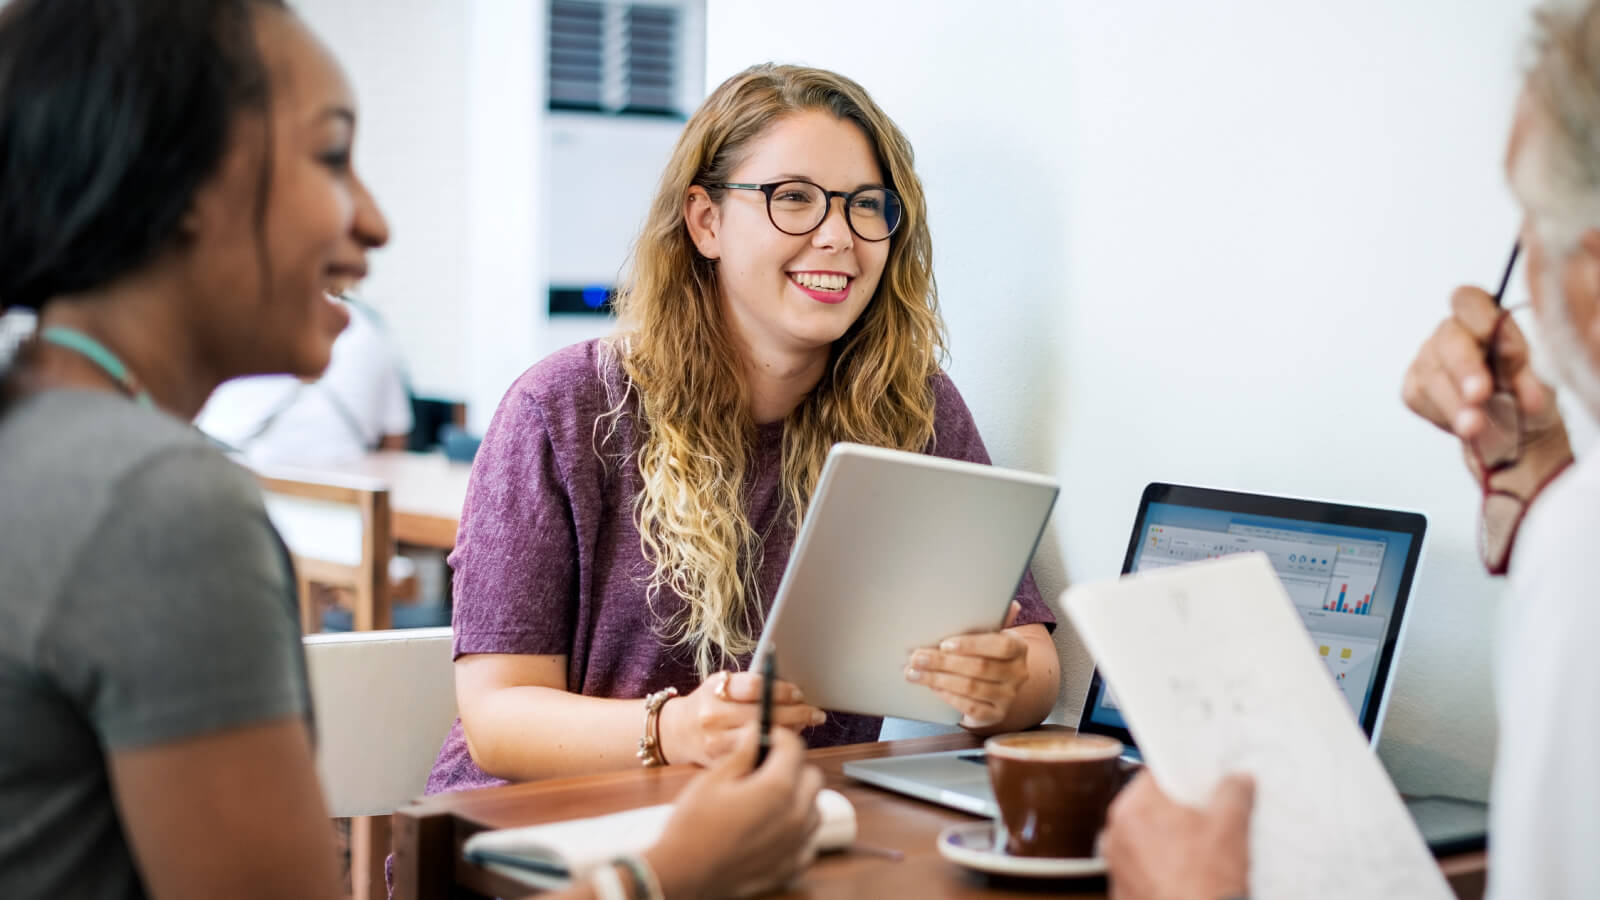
pixel 955 436
pixel 515 564
pixel 178 618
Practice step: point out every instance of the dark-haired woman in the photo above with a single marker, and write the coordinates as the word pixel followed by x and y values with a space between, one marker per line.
pixel 179 204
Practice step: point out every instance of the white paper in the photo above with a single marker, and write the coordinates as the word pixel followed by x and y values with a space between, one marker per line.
pixel 581 845
pixel 1215 673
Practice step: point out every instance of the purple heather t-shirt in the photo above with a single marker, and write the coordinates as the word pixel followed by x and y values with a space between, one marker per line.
pixel 548 561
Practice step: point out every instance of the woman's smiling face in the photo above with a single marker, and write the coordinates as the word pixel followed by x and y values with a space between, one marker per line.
pixel 785 293
pixel 262 280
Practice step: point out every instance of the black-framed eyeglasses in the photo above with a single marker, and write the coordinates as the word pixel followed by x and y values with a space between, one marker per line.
pixel 799 207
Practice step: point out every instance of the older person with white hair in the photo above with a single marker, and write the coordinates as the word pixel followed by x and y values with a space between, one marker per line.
pixel 1540 516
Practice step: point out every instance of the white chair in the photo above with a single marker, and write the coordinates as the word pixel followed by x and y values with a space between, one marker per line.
pixel 383 701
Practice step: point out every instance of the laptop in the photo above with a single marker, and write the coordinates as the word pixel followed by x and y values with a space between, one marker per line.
pixel 1347 569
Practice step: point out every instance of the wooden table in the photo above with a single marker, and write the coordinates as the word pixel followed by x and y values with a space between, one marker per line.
pixel 425 493
pixel 428 835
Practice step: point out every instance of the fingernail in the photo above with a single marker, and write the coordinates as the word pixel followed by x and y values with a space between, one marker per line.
pixel 1465 419
pixel 920 658
pixel 948 646
pixel 1472 384
pixel 913 674
pixel 818 717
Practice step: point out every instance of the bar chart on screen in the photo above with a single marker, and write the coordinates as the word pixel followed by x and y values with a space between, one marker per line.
pixel 1346 600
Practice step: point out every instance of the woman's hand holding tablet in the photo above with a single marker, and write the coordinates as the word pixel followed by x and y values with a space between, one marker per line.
pixel 979 675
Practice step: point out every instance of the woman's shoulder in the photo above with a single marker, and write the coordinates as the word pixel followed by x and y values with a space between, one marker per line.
pixel 587 376
pixel 100 441
pixel 945 394
pixel 563 397
pixel 73 461
pixel 955 434
pixel 949 407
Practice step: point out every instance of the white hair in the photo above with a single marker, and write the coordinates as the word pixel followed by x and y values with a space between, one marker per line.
pixel 1556 172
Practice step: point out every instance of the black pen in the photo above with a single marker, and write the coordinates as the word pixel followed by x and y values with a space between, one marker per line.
pixel 769 674
pixel 1505 279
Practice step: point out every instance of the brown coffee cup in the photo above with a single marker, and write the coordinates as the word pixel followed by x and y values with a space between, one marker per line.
pixel 1053 789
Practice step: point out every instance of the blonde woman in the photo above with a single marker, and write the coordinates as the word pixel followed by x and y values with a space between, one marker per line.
pixel 635 500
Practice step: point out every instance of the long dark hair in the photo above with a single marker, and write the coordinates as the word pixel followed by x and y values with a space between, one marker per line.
pixel 112 114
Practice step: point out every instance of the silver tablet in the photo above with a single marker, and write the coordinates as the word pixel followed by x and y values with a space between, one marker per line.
pixel 898 551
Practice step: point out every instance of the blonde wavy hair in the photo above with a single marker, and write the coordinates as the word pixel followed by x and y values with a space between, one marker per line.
pixel 695 431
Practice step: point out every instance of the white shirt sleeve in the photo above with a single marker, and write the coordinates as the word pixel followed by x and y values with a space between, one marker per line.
pixel 395 417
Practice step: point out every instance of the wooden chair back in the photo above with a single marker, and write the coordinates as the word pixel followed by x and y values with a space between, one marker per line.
pixel 339 530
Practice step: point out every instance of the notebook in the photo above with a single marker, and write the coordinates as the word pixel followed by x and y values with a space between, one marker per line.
pixel 554 854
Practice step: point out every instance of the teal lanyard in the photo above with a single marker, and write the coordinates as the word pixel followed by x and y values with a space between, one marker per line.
pixel 96 352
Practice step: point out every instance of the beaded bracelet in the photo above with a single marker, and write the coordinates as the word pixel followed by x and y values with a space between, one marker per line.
pixel 649 752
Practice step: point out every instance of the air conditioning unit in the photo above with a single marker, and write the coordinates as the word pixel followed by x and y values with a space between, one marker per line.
pixel 623 79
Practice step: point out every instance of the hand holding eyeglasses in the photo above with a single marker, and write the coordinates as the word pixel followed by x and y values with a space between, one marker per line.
pixel 1473 379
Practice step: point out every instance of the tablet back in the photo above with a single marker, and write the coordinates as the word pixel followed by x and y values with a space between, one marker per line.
pixel 898 551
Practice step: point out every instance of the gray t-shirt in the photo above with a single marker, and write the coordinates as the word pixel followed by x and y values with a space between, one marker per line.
pixel 144 598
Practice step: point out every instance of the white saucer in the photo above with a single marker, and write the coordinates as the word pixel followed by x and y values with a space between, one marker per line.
pixel 972 845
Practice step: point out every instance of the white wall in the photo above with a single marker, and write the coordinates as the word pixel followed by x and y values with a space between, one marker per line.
pixel 1199 243
pixel 504 279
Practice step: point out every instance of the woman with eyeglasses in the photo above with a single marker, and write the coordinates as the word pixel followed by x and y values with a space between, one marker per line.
pixel 635 500
pixel 179 203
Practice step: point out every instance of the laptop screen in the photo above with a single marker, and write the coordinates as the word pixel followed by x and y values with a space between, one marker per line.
pixel 1347 569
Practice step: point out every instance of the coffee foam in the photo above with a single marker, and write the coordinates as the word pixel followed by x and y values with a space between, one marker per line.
pixel 1054 747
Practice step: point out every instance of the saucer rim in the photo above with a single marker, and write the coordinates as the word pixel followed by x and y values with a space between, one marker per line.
pixel 1002 863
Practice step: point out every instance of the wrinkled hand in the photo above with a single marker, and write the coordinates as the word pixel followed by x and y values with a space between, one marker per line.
pixel 702 726
pixel 1449 382
pixel 1158 849
pixel 978 674
pixel 732 828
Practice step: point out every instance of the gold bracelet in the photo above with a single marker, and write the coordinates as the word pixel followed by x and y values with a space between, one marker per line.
pixel 649 753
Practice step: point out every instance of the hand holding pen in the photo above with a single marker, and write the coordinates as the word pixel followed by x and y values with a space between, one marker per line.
pixel 702 726
pixel 1473 378
pixel 1450 382
pixel 769 674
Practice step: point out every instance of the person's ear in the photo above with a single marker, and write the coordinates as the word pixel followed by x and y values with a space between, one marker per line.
pixel 204 204
pixel 704 220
